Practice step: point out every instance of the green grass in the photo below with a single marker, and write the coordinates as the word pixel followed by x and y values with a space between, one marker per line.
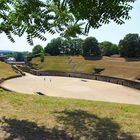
pixel 40 118
pixel 6 70
pixel 116 67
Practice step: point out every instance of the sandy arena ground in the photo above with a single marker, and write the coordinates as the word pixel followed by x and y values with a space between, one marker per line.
pixel 73 88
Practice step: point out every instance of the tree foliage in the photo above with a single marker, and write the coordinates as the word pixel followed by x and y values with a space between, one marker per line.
pixel 37 50
pixel 99 12
pixel 130 46
pixel 73 46
pixel 67 17
pixel 19 17
pixel 55 46
pixel 91 47
pixel 42 57
pixel 19 56
pixel 59 46
pixel 108 48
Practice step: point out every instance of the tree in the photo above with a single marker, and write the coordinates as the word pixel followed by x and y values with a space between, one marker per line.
pixel 108 48
pixel 35 17
pixel 76 47
pixel 37 50
pixel 20 16
pixel 130 46
pixel 58 46
pixel 91 47
pixel 73 46
pixel 19 56
pixel 55 46
pixel 100 12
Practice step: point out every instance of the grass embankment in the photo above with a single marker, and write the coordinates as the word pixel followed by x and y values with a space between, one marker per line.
pixel 6 70
pixel 40 118
pixel 117 67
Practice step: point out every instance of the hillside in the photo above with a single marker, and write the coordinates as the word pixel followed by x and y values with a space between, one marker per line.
pixel 6 70
pixel 40 118
pixel 117 67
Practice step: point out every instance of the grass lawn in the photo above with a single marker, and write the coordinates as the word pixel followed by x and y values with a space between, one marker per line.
pixel 6 70
pixel 29 117
pixel 117 67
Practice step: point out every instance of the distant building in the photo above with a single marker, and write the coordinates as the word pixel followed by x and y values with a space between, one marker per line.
pixel 3 57
pixel 10 60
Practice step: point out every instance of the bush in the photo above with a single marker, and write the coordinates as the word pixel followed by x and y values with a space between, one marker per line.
pixel 98 70
pixel 42 57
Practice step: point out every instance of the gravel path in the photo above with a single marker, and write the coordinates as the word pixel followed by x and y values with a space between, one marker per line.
pixel 73 88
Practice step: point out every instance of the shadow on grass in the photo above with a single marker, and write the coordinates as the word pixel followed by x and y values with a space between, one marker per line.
pixel 86 126
pixel 72 125
pixel 25 130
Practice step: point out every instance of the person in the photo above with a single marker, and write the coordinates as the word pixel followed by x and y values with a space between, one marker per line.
pixel 44 79
pixel 50 80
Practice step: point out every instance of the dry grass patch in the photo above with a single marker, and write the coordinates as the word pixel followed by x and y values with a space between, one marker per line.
pixel 117 67
pixel 6 70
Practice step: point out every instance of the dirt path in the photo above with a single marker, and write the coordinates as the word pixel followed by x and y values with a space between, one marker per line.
pixel 73 88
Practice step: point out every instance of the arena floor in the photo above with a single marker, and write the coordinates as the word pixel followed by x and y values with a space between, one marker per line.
pixel 73 88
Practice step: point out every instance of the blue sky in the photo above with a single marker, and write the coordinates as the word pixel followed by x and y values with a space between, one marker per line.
pixel 111 32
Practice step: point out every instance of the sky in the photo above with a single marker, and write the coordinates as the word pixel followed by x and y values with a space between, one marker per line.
pixel 111 32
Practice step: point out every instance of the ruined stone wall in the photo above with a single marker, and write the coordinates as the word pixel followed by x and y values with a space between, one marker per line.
pixel 115 80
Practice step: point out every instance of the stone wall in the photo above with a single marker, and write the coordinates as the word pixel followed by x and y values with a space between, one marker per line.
pixel 120 81
pixel 20 72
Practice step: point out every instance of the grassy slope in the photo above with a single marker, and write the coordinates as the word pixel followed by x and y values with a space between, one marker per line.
pixel 116 67
pixel 6 70
pixel 36 117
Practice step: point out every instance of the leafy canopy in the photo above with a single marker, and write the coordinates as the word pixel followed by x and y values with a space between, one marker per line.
pixel 108 48
pixel 59 46
pixel 37 50
pixel 67 17
pixel 130 46
pixel 55 46
pixel 91 47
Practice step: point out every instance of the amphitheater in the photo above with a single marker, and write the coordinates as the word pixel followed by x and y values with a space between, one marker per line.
pixel 73 88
